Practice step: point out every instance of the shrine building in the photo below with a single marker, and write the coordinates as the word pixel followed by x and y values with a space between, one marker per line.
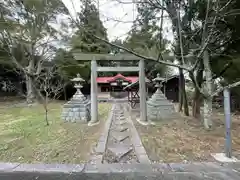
pixel 128 86
pixel 115 83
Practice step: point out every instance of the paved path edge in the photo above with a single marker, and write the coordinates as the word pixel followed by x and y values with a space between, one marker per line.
pixel 137 142
pixel 99 150
pixel 196 171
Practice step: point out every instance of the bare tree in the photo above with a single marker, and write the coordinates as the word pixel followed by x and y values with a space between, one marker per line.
pixel 48 88
pixel 27 36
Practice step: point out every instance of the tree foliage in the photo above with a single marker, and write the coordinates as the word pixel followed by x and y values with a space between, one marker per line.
pixel 90 24
pixel 27 36
pixel 146 38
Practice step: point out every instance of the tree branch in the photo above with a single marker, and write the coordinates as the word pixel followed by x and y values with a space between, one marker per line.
pixel 225 68
pixel 142 56
pixel 180 36
pixel 195 83
pixel 226 87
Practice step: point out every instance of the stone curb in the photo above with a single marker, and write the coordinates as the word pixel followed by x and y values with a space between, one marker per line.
pixel 119 167
pixel 137 143
pixel 97 156
pixel 194 171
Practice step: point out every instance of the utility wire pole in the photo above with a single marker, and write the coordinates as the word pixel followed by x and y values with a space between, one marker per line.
pixel 227 112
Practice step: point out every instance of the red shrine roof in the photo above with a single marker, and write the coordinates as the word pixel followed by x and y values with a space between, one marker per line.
pixel 131 79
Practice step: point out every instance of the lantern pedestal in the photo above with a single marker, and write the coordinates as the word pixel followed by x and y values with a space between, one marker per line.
pixel 78 108
pixel 158 107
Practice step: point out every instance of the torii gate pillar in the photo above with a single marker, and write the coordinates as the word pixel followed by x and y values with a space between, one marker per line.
pixel 94 103
pixel 142 91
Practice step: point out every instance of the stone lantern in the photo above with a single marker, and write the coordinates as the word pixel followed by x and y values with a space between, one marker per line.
pixel 158 107
pixel 158 81
pixel 78 108
pixel 78 85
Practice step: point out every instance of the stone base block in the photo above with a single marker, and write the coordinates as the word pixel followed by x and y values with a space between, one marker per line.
pixel 221 157
pixel 160 112
pixel 76 113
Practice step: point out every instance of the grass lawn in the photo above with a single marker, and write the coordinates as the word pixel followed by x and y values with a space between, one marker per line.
pixel 186 139
pixel 24 136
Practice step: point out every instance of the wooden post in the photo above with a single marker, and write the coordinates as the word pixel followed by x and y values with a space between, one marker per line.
pixel 142 90
pixel 227 112
pixel 94 105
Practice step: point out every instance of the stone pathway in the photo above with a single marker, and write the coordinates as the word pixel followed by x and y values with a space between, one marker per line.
pixel 120 155
pixel 194 171
pixel 120 142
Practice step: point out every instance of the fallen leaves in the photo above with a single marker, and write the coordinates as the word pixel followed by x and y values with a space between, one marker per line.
pixel 185 139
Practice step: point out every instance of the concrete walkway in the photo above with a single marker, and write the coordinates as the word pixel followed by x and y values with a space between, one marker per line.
pixel 118 171
pixel 120 142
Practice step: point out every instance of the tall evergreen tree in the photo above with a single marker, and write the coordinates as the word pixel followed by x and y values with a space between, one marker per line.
pixel 146 38
pixel 90 24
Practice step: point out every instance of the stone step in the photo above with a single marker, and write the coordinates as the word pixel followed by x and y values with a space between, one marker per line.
pixel 159 103
pixel 121 128
pixel 120 122
pixel 167 107
pixel 132 161
pixel 117 111
pixel 161 109
pixel 119 114
pixel 161 112
pixel 120 136
pixel 120 151
pixel 157 97
pixel 164 117
pixel 120 118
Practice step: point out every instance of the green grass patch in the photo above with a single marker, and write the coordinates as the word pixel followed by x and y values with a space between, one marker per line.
pixel 24 136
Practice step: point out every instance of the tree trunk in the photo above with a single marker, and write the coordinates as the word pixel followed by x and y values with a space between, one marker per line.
pixel 46 109
pixel 207 113
pixel 29 83
pixel 183 102
pixel 208 91
pixel 197 97
pixel 30 91
pixel 196 104
pixel 174 16
pixel 180 106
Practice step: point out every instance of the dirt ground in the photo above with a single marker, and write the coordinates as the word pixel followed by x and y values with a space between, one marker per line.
pixel 24 136
pixel 185 139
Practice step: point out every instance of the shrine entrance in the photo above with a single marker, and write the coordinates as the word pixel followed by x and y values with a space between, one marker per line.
pixel 113 86
pixel 94 74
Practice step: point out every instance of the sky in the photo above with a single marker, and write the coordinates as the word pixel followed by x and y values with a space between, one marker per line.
pixel 116 17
